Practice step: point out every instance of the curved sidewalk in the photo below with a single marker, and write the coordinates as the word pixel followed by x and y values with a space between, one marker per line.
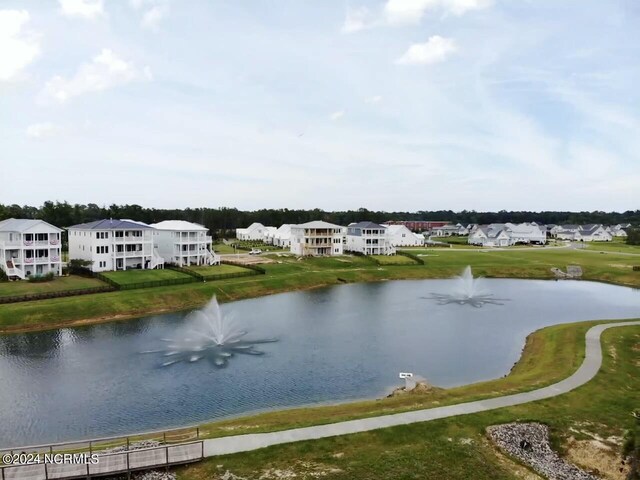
pixel 589 368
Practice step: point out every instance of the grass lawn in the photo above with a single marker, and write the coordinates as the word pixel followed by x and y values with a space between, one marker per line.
pixel 127 277
pixel 615 246
pixel 216 269
pixel 457 448
pixel 58 284
pixel 393 260
pixel 222 248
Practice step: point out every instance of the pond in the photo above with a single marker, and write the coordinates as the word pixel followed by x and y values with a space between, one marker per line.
pixel 334 345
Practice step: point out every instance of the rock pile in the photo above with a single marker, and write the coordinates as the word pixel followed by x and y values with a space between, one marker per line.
pixel 133 446
pixel 529 443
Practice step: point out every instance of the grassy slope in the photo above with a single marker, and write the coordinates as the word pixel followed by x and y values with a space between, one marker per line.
pixel 456 448
pixel 287 273
pixel 216 269
pixel 72 282
pixel 138 276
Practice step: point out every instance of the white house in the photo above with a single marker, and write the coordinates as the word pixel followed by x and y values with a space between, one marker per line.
pixel 494 235
pixel 114 245
pixel 368 238
pixel 449 230
pixel 317 238
pixel 255 231
pixel 594 233
pixel 282 236
pixel 29 247
pixel 401 236
pixel 269 234
pixel 183 243
pixel 527 233
pixel 617 230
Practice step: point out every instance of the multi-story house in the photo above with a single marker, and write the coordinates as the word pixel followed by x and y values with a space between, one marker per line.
pixel 183 243
pixel 317 238
pixel 29 247
pixel 368 238
pixel 114 245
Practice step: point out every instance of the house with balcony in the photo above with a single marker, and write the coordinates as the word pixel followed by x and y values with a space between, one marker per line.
pixel 183 243
pixel 29 247
pixel 114 245
pixel 368 238
pixel 317 238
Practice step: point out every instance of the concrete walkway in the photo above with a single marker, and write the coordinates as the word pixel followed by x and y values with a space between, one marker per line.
pixel 588 370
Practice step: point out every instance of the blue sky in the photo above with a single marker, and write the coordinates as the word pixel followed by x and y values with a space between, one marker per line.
pixel 390 104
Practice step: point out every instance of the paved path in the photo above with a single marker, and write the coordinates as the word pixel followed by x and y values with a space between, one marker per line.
pixel 588 369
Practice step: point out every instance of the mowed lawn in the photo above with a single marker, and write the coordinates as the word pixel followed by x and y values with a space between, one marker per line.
pixel 127 277
pixel 216 269
pixel 222 248
pixel 58 284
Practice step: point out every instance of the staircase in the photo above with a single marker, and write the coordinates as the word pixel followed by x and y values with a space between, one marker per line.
pixel 156 260
pixel 11 270
pixel 212 258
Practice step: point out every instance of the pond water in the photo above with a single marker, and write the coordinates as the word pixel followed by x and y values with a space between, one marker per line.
pixel 334 345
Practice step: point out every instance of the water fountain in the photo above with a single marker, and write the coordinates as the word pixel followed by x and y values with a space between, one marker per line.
pixel 211 336
pixel 467 291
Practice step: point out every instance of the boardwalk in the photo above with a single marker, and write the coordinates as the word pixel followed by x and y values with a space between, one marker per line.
pixel 167 455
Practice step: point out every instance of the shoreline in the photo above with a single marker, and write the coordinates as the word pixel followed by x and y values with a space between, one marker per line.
pixel 397 274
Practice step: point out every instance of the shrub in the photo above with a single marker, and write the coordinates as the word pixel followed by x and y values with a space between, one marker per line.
pixel 41 278
pixel 636 268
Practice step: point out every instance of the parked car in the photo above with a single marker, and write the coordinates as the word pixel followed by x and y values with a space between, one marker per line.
pixel 255 251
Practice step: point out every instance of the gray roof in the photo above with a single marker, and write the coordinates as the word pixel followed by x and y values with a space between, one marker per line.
pixel 366 225
pixel 111 224
pixel 22 224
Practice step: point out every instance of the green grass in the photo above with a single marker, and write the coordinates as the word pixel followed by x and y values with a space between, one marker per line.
pixel 393 260
pixel 222 248
pixel 216 269
pixel 456 448
pixel 127 277
pixel 615 246
pixel 58 284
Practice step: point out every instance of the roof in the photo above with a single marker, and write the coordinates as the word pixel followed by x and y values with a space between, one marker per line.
pixel 317 224
pixel 366 225
pixel 178 226
pixel 393 229
pixel 23 224
pixel 110 224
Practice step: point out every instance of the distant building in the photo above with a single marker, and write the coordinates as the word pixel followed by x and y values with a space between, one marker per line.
pixel 507 234
pixel 183 243
pixel 417 225
pixel 368 238
pixel 114 245
pixel 282 236
pixel 317 238
pixel 581 233
pixel 29 247
pixel 401 236
pixel 254 232
pixel 450 230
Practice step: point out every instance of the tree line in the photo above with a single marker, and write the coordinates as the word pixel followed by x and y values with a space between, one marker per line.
pixel 223 221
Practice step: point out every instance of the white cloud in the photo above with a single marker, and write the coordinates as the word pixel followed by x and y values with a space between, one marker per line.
pixel 358 18
pixel 88 9
pixel 40 130
pixel 17 48
pixel 106 70
pixel 374 99
pixel 337 115
pixel 402 12
pixel 152 17
pixel 435 50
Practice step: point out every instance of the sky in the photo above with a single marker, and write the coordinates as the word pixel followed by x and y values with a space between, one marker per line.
pixel 390 105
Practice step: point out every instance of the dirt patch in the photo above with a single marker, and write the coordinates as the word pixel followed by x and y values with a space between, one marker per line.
pixel 297 471
pixel 598 457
